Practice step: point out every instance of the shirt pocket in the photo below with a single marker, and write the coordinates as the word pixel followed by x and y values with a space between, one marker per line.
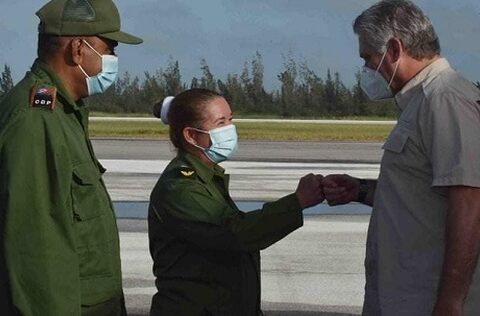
pixel 397 140
pixel 93 222
pixel 86 199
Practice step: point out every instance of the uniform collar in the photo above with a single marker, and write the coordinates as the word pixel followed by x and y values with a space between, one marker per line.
pixel 423 78
pixel 46 74
pixel 205 172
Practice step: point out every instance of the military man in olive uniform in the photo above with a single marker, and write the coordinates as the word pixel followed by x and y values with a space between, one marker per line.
pixel 59 246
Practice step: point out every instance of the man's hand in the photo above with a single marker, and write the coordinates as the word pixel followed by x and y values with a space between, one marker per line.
pixel 340 189
pixel 309 190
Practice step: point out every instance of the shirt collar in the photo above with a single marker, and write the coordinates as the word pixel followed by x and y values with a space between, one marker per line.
pixel 425 76
pixel 43 71
pixel 205 172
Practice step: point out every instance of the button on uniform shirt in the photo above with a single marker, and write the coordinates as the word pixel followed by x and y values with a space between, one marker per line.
pixel 435 144
pixel 205 250
pixel 59 246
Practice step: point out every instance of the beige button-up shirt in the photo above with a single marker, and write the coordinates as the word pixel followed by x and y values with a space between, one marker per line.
pixel 435 144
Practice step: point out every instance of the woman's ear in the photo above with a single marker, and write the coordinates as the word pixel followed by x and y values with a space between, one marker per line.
pixel 189 136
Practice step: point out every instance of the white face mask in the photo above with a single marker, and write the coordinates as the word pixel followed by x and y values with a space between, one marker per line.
pixel 106 77
pixel 374 85
pixel 224 143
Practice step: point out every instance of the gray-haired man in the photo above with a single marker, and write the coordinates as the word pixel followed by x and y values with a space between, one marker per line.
pixel 424 235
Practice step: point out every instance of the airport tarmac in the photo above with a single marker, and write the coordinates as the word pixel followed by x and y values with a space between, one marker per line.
pixel 316 270
pixel 269 151
pixel 260 171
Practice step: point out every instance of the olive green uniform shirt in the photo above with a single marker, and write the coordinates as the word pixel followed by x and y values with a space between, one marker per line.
pixel 435 144
pixel 205 250
pixel 58 233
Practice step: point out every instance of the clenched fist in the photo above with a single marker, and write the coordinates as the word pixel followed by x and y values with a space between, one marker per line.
pixel 309 190
pixel 340 189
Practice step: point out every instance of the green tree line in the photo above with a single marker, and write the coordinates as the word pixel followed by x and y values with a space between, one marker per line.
pixel 6 80
pixel 301 93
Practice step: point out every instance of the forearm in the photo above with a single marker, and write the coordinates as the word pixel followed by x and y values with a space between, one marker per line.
pixel 241 231
pixel 262 228
pixel 462 245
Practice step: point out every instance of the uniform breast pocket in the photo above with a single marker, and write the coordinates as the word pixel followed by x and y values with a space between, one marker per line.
pixel 397 140
pixel 93 221
pixel 85 196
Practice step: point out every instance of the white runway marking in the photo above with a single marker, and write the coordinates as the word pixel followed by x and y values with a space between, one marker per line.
pixel 133 180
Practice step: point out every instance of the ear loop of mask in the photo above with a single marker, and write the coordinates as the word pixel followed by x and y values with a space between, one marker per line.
pixel 99 55
pixel 200 131
pixel 394 72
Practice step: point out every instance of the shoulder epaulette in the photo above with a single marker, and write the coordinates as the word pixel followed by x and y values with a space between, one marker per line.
pixel 43 97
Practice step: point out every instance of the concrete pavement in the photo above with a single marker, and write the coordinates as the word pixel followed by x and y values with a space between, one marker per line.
pixel 264 151
pixel 317 270
pixel 133 180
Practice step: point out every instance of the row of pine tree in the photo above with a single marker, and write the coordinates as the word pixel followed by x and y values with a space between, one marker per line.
pixel 302 92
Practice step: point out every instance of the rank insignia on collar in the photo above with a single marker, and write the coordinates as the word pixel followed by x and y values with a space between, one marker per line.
pixel 43 97
pixel 186 173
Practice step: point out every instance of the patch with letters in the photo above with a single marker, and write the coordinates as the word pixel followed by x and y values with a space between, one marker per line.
pixel 43 97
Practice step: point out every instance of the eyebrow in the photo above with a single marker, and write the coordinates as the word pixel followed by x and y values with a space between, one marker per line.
pixel 223 118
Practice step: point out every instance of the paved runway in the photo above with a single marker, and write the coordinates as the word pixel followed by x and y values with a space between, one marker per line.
pixel 317 270
pixel 261 171
pixel 133 180
pixel 315 152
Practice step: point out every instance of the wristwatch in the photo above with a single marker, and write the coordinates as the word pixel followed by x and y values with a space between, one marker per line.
pixel 362 190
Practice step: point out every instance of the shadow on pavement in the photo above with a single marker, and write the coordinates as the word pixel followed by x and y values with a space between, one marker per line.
pixel 281 313
pixel 282 309
pixel 303 313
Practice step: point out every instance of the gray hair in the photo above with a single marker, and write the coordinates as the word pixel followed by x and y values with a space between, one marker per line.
pixel 400 19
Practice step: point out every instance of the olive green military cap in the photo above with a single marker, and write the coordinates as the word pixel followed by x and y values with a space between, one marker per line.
pixel 83 18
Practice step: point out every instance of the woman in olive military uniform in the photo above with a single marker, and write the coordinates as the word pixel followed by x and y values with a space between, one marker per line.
pixel 205 250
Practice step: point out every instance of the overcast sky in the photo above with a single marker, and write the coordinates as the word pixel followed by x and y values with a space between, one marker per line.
pixel 228 32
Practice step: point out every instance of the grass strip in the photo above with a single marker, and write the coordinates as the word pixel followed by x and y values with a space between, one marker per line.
pixel 269 131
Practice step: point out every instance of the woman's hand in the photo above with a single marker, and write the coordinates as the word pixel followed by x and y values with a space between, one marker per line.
pixel 309 190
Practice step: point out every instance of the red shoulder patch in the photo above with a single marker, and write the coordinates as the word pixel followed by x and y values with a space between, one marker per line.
pixel 43 97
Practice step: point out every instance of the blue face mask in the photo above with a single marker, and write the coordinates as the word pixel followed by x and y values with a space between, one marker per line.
pixel 224 143
pixel 106 77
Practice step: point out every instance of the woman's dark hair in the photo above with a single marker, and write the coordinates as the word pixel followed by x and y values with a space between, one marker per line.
pixel 187 110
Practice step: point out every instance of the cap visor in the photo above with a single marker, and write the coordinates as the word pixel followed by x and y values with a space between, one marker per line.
pixel 122 37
